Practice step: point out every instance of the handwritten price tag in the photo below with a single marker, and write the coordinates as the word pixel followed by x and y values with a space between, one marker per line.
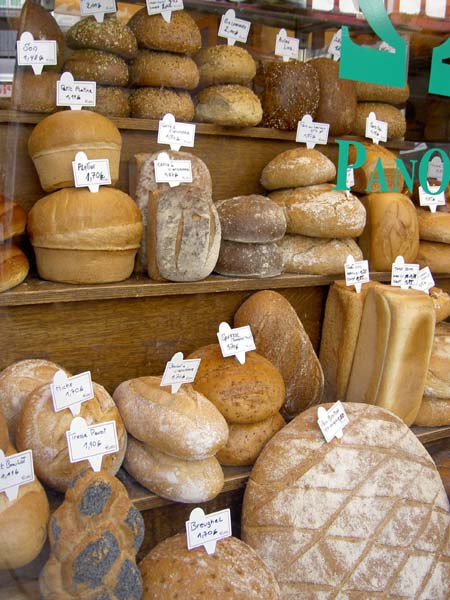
pixel 356 272
pixel 332 421
pixel 235 342
pixel 286 46
pixel 432 199
pixel 179 370
pixel 376 130
pixel 90 173
pixel 98 8
pixel 15 470
pixel 5 90
pixel 311 132
pixel 424 281
pixel 234 30
pixel 172 172
pixel 36 53
pixel 164 8
pixel 207 530
pixel 70 392
pixel 435 168
pixel 91 442
pixel 403 274
pixel 175 134
pixel 75 94
pixel 335 45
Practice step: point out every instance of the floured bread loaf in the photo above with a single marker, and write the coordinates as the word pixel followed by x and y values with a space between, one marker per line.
pixel 229 105
pixel 238 259
pixel 296 168
pixel 362 517
pixel 433 227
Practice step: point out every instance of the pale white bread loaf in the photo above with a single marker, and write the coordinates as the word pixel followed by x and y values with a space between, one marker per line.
pixel 281 338
pixel 434 255
pixel 433 412
pixel 376 92
pixel 238 259
pixel 441 303
pixel 297 167
pixel 317 256
pixel 4 437
pixel 233 572
pixel 184 424
pixel 173 478
pixel 183 234
pixel 44 431
pixel 225 64
pixel 229 105
pixel 365 516
pixel 437 383
pixel 321 211
pixel 391 115
pixel 143 186
pixel 433 227
pixel 393 351
pixel 377 156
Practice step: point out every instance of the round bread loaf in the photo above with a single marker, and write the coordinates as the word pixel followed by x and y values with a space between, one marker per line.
pixel 184 424
pixel 433 227
pixel 13 219
pixel 84 237
pixel 109 36
pixel 365 516
pixel 55 140
pixel 154 103
pixel 228 105
pixel 181 34
pixel 32 94
pixel 337 98
pixel 233 572
pixel 224 64
pixel 383 112
pixel 160 69
pixel 434 255
pixel 321 211
pixel 173 478
pixel 297 168
pixel 376 92
pixel 14 266
pixel 441 301
pixel 249 260
pixel 433 412
pixel 316 256
pixel 437 384
pixel 245 393
pixel 377 157
pixel 111 102
pixel 23 524
pixel 246 441
pixel 391 230
pixel 281 338
pixel 44 431
pixel 4 437
pixel 95 65
pixel 253 218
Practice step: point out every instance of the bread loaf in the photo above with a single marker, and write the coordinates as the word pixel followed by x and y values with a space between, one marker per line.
pixel 433 412
pixel 281 338
pixel 34 94
pixel 441 302
pixel 180 35
pixel 434 255
pixel 233 572
pixel 377 157
pixel 223 64
pixel 13 219
pixel 365 516
pixel 111 35
pixel 154 103
pixel 229 105
pixel 249 260
pixel 4 437
pixel 164 69
pixel 14 266
pixel 377 92
pixel 437 383
pixel 391 115
pixel 434 227
pixel 111 101
pixel 95 65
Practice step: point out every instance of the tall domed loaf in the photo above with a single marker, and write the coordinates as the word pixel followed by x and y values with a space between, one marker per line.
pixel 245 393
pixel 84 237
pixel 183 424
pixel 364 516
pixel 55 140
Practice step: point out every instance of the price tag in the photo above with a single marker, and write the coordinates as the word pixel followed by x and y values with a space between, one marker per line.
pixel 385 47
pixel 349 180
pixel 90 173
pixel 356 272
pixel 436 168
pixel 424 281
pixel 433 199
pixel 175 134
pixel 410 7
pixel 5 90
pixel 323 5
pixel 98 8
pixel 332 421
pixel 335 45
pixel 164 8
pixel 75 94
pixel 376 130
pixel 70 392
pixel 36 53
pixel 403 274
pixel 172 172
pixel 91 442
pixel 235 342
pixel 179 370
pixel 15 470
pixel 286 46
pixel 207 530
pixel 311 132
pixel 234 30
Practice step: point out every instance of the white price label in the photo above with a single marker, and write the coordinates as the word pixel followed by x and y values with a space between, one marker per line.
pixel 376 130
pixel 15 470
pixel 5 90
pixel 164 8
pixel 385 47
pixel 311 132
pixel 234 30
pixel 179 370
pixel 207 530
pixel 75 94
pixel 432 199
pixel 335 45
pixel 286 46
pixel 435 168
pixel 235 342
pixel 98 8
pixel 356 272
pixel 175 134
pixel 172 172
pixel 424 281
pixel 91 442
pixel 403 274
pixel 332 421
pixel 36 53
pixel 70 392
pixel 90 173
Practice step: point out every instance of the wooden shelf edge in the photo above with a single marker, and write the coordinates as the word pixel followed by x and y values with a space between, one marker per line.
pixel 431 434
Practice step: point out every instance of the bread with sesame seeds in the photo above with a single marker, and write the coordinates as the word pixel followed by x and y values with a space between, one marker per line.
pixel 110 36
pixel 95 65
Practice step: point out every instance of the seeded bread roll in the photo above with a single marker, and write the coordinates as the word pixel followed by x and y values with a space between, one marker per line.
pixel 434 255
pixel 111 102
pixel 223 64
pixel 157 69
pixel 249 260
pixel 433 227
pixel 376 156
pixel 383 112
pixel 154 103
pixel 95 65
pixel 376 92
pixel 35 94
pixel 297 168
pixel 14 266
pixel 228 105
pixel 109 36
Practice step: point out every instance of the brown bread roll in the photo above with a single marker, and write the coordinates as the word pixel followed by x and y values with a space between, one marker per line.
pixel 433 412
pixel 152 31
pixel 245 393
pixel 249 260
pixel 297 168
pixel 154 103
pixel 164 69
pixel 233 572
pixel 36 94
pixel 281 338
pixel 437 383
pixel 376 92
pixel 383 112
pixel 224 64
pixel 433 227
pixel 13 219
pixel 434 255
pixel 365 516
pixel 375 155
pixel 229 105
pixel 95 65
pixel 111 102
pixel 441 302
pixel 109 36
pixel 14 266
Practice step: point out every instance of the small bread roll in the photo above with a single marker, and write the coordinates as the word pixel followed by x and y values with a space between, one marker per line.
pixel 297 168
pixel 164 69
pixel 111 102
pixel 95 65
pixel 383 112
pixel 223 64
pixel 109 36
pixel 180 35
pixel 249 260
pixel 154 103
pixel 433 227
pixel 14 266
pixel 228 105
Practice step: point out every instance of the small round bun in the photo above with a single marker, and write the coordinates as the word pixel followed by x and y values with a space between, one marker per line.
pixel 32 94
pixel 110 36
pixel 228 105
pixel 111 102
pixel 154 103
pixel 180 35
pixel 13 219
pixel 297 168
pixel 238 259
pixel 384 112
pixel 376 92
pixel 223 64
pixel 95 65
pixel 164 69
pixel 14 266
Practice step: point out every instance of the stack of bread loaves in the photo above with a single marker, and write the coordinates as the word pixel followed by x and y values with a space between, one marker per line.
pixel 163 69
pixel 321 221
pixel 434 233
pixel 13 262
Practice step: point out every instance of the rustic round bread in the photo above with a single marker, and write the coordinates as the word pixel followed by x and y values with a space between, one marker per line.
pixel 164 69
pixel 233 572
pixel 14 266
pixel 110 36
pixel 223 64
pixel 238 259
pixel 95 65
pixel 384 112
pixel 154 103
pixel 297 167
pixel 229 105
pixel 433 227
pixel 111 102
pixel 365 516
pixel 434 255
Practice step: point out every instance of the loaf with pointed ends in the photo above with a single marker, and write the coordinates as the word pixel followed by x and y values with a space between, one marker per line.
pixel 434 255
pixel 393 351
pixel 14 266
pixel 111 35
pixel 225 64
pixel 391 115
pixel 184 424
pixel 281 338
pixel 166 69
pixel 44 431
pixel 433 227
pixel 229 105
pixel 376 157
pixel 365 516
pixel 245 393
pixel 233 572
pixel 238 259
pixel 173 478
pixel 94 536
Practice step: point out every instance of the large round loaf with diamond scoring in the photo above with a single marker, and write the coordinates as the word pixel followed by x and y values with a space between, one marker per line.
pixel 365 516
